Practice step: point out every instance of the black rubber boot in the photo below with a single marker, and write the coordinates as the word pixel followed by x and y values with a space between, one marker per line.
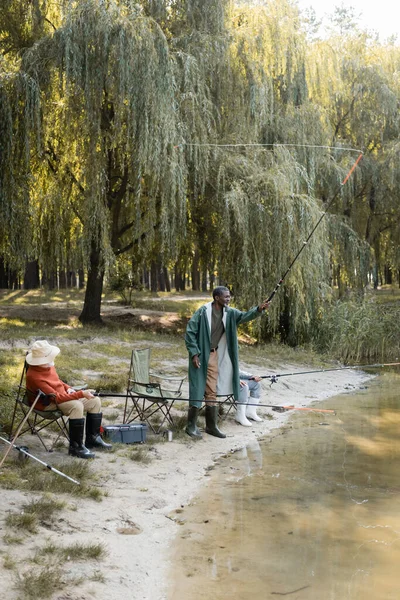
pixel 211 422
pixel 93 437
pixel 191 427
pixel 76 447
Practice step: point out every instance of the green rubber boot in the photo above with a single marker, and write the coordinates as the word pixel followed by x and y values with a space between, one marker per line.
pixel 211 422
pixel 191 427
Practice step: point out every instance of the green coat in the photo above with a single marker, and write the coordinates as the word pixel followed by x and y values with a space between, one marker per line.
pixel 198 341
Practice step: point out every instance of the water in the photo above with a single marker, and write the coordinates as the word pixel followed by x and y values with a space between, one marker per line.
pixel 311 513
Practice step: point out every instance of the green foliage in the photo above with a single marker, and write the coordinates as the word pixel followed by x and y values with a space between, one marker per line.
pixel 355 331
pixel 207 134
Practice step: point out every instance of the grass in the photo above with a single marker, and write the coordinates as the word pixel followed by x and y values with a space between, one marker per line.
pixel 31 477
pixel 40 583
pixel 23 521
pixel 72 552
pixel 355 331
pixel 140 454
pixel 44 508
pixel 9 562
pixel 10 539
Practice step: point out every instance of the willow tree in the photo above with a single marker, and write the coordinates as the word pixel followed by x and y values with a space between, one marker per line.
pixel 253 185
pixel 111 177
pixel 354 80
pixel 19 133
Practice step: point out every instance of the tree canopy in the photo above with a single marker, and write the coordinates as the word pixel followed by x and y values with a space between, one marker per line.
pixel 205 136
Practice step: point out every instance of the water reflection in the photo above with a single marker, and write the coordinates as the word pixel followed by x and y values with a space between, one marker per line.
pixel 311 513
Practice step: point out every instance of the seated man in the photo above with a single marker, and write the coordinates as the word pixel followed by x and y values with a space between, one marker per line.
pixel 249 384
pixel 41 375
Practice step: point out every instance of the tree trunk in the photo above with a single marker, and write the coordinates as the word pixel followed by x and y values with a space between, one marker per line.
pixel 49 280
pixel 71 279
pixel 62 279
pixel 153 277
pixel 195 271
pixel 388 275
pixel 166 279
pixel 161 278
pixel 31 275
pixel 4 279
pixel 204 279
pixel 81 275
pixel 178 279
pixel 94 288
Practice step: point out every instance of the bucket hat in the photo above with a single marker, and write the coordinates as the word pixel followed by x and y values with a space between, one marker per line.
pixel 41 353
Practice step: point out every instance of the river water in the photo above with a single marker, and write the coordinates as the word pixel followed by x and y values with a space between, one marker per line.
pixel 311 513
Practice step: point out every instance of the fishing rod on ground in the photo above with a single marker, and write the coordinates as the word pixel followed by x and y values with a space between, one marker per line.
pixel 345 180
pixel 274 378
pixel 28 454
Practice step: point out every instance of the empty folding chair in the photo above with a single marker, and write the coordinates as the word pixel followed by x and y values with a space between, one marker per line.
pixel 146 400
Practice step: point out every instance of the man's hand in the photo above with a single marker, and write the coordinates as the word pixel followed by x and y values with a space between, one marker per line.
pixel 242 383
pixel 88 394
pixel 263 306
pixel 196 361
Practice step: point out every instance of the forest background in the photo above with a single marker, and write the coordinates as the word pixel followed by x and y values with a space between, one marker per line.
pixel 157 145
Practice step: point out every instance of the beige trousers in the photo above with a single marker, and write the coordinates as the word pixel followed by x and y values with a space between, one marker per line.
pixel 210 395
pixel 74 408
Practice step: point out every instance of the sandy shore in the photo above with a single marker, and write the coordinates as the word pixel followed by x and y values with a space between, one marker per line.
pixel 138 520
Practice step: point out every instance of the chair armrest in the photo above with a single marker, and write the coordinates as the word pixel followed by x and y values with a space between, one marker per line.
pixel 149 389
pixel 45 399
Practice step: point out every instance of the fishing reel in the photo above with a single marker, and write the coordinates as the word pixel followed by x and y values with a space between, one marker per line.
pixel 273 379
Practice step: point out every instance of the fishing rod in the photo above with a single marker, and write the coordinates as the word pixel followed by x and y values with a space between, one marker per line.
pixel 23 451
pixel 278 407
pixel 274 378
pixel 345 180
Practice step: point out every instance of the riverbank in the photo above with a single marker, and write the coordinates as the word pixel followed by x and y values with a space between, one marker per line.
pixel 140 515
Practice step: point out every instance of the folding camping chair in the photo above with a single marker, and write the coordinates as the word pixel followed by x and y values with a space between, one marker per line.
pixel 226 405
pixel 150 397
pixel 35 420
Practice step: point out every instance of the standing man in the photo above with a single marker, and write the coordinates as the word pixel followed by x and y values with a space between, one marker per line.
pixel 211 340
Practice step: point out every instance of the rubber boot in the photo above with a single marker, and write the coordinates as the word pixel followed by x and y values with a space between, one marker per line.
pixel 76 447
pixel 251 410
pixel 191 427
pixel 93 437
pixel 211 422
pixel 240 416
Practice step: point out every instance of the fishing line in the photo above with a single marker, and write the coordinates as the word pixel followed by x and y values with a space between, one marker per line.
pixel 340 149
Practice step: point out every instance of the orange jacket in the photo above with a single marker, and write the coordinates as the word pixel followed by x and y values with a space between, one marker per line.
pixel 47 380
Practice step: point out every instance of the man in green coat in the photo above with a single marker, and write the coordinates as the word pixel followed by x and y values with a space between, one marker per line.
pixel 211 340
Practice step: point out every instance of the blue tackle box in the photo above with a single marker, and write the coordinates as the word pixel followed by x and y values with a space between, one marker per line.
pixel 131 433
